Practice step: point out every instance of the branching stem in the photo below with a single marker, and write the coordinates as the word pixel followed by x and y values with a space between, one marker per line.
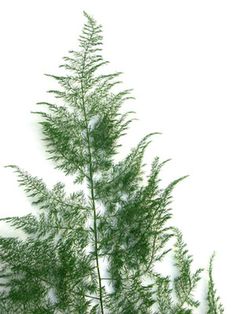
pixel 91 184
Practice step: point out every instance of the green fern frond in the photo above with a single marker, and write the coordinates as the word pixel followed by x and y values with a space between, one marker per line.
pixel 214 304
pixel 96 250
pixel 186 281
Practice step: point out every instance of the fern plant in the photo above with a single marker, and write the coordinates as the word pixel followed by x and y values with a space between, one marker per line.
pixel 94 250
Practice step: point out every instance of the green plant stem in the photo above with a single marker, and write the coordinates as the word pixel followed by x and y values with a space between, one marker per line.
pixel 91 184
pixel 94 214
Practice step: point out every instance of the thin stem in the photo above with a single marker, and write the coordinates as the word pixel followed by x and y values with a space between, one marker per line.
pixel 91 297
pixel 95 225
pixel 91 183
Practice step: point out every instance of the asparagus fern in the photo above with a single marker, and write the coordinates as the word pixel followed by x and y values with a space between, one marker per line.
pixel 94 250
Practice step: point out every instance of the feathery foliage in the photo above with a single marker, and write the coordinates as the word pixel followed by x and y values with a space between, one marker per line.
pixel 95 250
pixel 214 305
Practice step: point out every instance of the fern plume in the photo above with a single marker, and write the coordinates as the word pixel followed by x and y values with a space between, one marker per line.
pixel 95 251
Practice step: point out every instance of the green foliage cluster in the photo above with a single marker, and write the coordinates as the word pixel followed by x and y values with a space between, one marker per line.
pixel 94 251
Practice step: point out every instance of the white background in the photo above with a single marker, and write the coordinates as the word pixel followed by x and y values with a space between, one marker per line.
pixel 179 57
